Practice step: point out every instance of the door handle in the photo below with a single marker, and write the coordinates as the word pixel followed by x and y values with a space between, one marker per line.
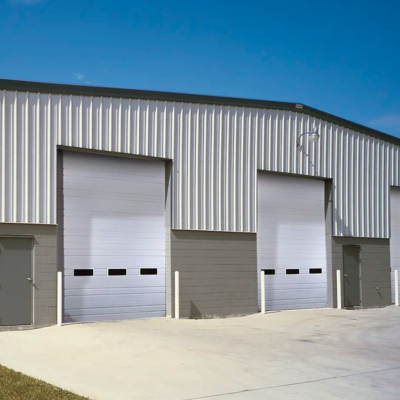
pixel 345 275
pixel 30 280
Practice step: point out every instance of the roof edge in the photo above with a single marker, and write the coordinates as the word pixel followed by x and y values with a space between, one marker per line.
pixel 101 91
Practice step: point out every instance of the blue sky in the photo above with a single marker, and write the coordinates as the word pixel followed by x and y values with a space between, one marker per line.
pixel 341 57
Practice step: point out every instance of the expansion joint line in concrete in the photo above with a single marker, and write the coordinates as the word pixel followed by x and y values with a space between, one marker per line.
pixel 291 384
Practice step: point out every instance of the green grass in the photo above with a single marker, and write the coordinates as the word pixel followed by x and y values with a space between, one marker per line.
pixel 17 386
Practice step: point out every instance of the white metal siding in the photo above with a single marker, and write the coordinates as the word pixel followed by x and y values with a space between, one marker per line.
pixel 291 235
pixel 216 152
pixel 395 234
pixel 113 217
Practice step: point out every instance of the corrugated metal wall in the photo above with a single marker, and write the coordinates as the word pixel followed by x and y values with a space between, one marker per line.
pixel 216 151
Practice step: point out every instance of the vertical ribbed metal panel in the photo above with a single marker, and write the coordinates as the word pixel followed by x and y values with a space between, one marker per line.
pixel 214 172
pixel 216 151
pixel 27 158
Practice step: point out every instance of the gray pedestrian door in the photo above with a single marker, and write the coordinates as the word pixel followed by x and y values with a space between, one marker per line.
pixel 15 281
pixel 351 276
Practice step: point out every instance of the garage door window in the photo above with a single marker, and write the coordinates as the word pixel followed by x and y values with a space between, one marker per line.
pixel 292 271
pixel 83 272
pixel 116 272
pixel 315 270
pixel 148 271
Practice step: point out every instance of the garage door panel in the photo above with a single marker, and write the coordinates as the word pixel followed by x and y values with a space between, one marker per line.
pixel 135 214
pixel 287 229
pixel 112 247
pixel 289 184
pixel 269 249
pixel 101 316
pixel 282 279
pixel 294 286
pixel 107 282
pixel 97 226
pixel 298 294
pixel 109 301
pixel 119 166
pixel 117 175
pixel 107 260
pixel 103 193
pixel 298 305
pixel 138 239
pixel 145 183
pixel 102 281
pixel 291 236
pixel 292 219
pixel 294 232
pixel 92 262
pixel 287 263
pixel 109 190
pixel 96 164
pixel 110 290
pixel 133 276
pixel 290 208
pixel 122 204
pixel 110 251
pixel 113 219
pixel 124 310
pixel 101 174
pixel 117 237
pixel 94 184
pixel 293 255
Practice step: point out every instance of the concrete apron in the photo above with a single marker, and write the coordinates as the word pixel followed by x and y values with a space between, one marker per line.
pixel 310 354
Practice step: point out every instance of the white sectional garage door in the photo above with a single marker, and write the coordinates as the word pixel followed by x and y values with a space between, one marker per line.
pixel 114 237
pixel 394 233
pixel 291 241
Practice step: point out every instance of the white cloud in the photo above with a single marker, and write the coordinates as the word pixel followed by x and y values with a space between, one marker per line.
pixel 79 76
pixel 388 122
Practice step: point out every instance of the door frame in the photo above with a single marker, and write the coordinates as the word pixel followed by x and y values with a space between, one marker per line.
pixel 359 273
pixel 32 237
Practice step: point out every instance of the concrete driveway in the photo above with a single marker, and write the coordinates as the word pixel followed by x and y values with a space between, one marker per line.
pixel 313 354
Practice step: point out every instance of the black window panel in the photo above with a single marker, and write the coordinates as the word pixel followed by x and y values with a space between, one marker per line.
pixel 269 271
pixel 83 272
pixel 315 270
pixel 148 271
pixel 292 271
pixel 116 272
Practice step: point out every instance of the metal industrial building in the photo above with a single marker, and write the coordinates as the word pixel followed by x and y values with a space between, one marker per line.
pixel 121 188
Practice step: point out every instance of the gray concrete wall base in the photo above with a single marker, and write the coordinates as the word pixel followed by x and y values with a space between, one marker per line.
pixel 218 273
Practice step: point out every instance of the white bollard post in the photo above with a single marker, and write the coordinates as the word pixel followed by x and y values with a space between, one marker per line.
pixel 396 287
pixel 262 292
pixel 176 294
pixel 339 289
pixel 59 298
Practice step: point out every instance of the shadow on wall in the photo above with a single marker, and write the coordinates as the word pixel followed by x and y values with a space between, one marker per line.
pixel 194 311
pixel 340 223
pixel 335 214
